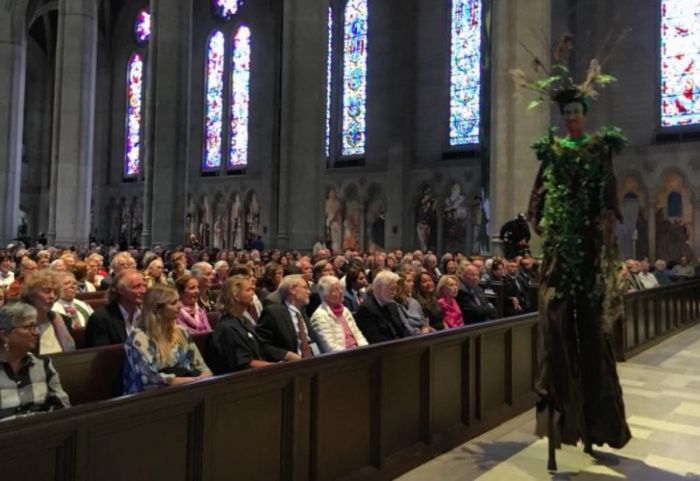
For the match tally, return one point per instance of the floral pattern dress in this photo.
(142, 370)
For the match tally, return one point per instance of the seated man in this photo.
(112, 323)
(471, 299)
(645, 277)
(378, 317)
(27, 266)
(285, 326)
(120, 261)
(683, 270)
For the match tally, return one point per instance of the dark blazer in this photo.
(105, 326)
(380, 323)
(276, 328)
(234, 344)
(474, 305)
(350, 301)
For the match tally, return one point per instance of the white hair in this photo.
(325, 284)
(384, 278)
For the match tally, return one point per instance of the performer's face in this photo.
(574, 117)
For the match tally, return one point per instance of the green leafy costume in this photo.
(574, 207)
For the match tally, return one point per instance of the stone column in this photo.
(694, 228)
(73, 123)
(651, 228)
(513, 128)
(167, 122)
(12, 76)
(302, 150)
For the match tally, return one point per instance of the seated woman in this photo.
(355, 288)
(191, 316)
(447, 294)
(41, 290)
(161, 353)
(27, 383)
(333, 322)
(68, 305)
(409, 309)
(235, 345)
(270, 280)
(80, 271)
(424, 293)
(153, 271)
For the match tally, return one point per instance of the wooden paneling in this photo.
(447, 376)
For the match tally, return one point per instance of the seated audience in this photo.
(7, 277)
(94, 263)
(471, 299)
(41, 290)
(191, 316)
(270, 280)
(632, 283)
(647, 279)
(332, 322)
(204, 273)
(80, 271)
(448, 288)
(285, 326)
(235, 344)
(516, 286)
(120, 261)
(113, 322)
(28, 384)
(430, 264)
(221, 269)
(178, 264)
(27, 267)
(161, 353)
(683, 270)
(662, 274)
(409, 310)
(68, 305)
(153, 271)
(424, 293)
(378, 317)
(255, 309)
(354, 293)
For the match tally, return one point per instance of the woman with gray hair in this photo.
(333, 322)
(27, 383)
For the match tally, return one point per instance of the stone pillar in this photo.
(167, 122)
(693, 229)
(651, 228)
(74, 123)
(513, 128)
(302, 150)
(12, 76)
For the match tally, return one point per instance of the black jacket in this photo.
(380, 323)
(105, 326)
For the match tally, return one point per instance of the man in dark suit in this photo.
(112, 323)
(378, 317)
(470, 298)
(285, 326)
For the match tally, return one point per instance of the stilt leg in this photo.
(552, 453)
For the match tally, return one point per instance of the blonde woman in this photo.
(447, 288)
(161, 353)
(153, 272)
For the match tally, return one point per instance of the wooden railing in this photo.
(370, 413)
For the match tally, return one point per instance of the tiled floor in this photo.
(662, 396)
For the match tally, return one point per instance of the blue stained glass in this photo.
(240, 98)
(226, 8)
(329, 81)
(465, 72)
(680, 63)
(214, 101)
(355, 77)
(142, 26)
(134, 107)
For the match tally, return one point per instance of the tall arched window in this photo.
(465, 72)
(329, 80)
(214, 101)
(354, 78)
(240, 98)
(680, 63)
(134, 97)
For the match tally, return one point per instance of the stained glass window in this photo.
(329, 80)
(226, 8)
(354, 77)
(142, 26)
(240, 98)
(214, 101)
(465, 72)
(134, 107)
(680, 62)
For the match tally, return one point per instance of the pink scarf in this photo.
(337, 310)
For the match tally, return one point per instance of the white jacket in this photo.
(329, 329)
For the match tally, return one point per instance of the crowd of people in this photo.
(268, 307)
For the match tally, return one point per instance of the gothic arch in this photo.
(674, 234)
(375, 223)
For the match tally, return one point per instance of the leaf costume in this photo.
(574, 207)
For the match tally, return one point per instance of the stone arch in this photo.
(375, 223)
(674, 233)
(633, 201)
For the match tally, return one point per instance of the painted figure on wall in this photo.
(352, 224)
(376, 224)
(253, 218)
(674, 219)
(455, 219)
(426, 220)
(334, 220)
(236, 224)
(220, 226)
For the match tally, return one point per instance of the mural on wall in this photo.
(633, 231)
(334, 219)
(352, 223)
(426, 220)
(204, 219)
(252, 220)
(454, 220)
(191, 216)
(477, 226)
(375, 220)
(674, 219)
(236, 223)
(136, 221)
(219, 239)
